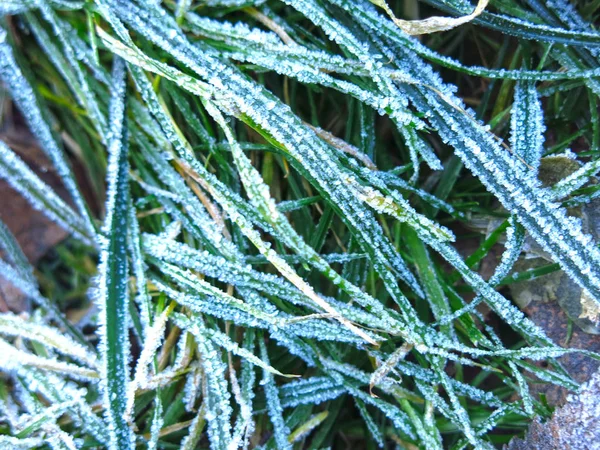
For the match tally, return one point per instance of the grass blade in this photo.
(114, 271)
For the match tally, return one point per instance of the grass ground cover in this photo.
(271, 209)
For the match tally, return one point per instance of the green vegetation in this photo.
(270, 246)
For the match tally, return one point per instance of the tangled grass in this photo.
(275, 253)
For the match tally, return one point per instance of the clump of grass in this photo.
(278, 261)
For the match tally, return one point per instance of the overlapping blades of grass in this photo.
(504, 176)
(235, 94)
(210, 224)
(24, 95)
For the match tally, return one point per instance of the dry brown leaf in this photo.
(432, 24)
(575, 426)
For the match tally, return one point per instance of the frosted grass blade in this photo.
(25, 98)
(42, 197)
(12, 251)
(280, 430)
(11, 325)
(527, 126)
(114, 271)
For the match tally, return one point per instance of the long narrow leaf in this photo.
(114, 271)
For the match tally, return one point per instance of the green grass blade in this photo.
(114, 271)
